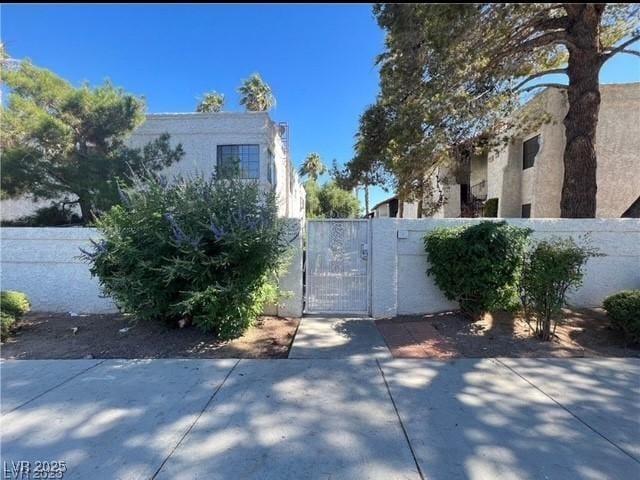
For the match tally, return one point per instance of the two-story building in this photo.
(210, 140)
(525, 176)
(213, 140)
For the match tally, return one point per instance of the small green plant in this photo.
(624, 310)
(202, 250)
(15, 303)
(478, 265)
(552, 268)
(7, 321)
(12, 306)
(491, 208)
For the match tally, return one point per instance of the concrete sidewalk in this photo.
(317, 418)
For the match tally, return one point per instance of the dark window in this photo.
(393, 207)
(526, 210)
(464, 193)
(530, 149)
(291, 178)
(271, 168)
(244, 157)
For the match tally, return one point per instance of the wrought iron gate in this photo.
(337, 267)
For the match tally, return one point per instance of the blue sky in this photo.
(318, 59)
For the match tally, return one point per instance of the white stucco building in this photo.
(210, 139)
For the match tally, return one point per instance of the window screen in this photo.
(244, 157)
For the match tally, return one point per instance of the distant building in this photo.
(525, 177)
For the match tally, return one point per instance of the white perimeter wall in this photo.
(400, 284)
(44, 263)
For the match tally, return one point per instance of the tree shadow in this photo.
(477, 419)
(279, 418)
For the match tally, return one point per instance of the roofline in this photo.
(384, 201)
(203, 114)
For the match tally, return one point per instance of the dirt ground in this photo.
(51, 335)
(583, 333)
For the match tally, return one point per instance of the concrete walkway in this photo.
(329, 337)
(311, 418)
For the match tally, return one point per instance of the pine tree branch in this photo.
(542, 85)
(544, 40)
(540, 74)
(630, 52)
(620, 48)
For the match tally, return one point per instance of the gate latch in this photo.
(364, 251)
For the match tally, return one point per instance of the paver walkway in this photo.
(343, 418)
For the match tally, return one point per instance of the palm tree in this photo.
(211, 102)
(256, 95)
(313, 166)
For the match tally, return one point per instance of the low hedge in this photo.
(478, 265)
(624, 310)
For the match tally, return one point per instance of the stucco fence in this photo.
(44, 263)
(400, 286)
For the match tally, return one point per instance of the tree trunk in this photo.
(579, 187)
(86, 210)
(400, 208)
(366, 198)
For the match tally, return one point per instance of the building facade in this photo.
(209, 140)
(526, 176)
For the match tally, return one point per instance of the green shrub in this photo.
(12, 306)
(624, 310)
(478, 265)
(552, 268)
(491, 208)
(14, 303)
(203, 250)
(7, 321)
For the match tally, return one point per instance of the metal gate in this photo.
(337, 267)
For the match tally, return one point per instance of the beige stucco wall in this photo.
(617, 146)
(478, 169)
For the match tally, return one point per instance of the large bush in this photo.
(12, 306)
(478, 265)
(624, 310)
(201, 250)
(552, 268)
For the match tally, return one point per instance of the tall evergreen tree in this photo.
(58, 140)
(451, 73)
